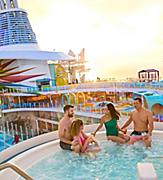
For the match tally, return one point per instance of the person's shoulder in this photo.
(148, 112)
(132, 112)
(62, 121)
(103, 118)
(72, 120)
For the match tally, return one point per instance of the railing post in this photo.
(16, 129)
(37, 127)
(21, 133)
(12, 129)
(26, 132)
(20, 171)
(7, 125)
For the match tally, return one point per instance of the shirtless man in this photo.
(143, 124)
(64, 127)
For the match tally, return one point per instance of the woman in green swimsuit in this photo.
(109, 119)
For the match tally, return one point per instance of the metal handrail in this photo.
(16, 169)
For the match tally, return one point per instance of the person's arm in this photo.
(150, 123)
(62, 132)
(76, 141)
(84, 147)
(84, 135)
(99, 127)
(127, 123)
(118, 127)
(122, 130)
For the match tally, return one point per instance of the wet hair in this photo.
(138, 99)
(75, 127)
(114, 113)
(67, 107)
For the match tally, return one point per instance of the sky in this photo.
(120, 37)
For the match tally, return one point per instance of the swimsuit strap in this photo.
(82, 139)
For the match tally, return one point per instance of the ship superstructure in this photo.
(18, 42)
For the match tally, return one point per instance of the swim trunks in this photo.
(65, 146)
(139, 133)
(137, 136)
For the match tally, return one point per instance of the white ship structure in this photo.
(18, 43)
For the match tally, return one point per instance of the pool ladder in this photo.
(17, 169)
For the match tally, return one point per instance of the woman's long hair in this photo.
(114, 113)
(75, 127)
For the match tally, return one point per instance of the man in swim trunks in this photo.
(143, 124)
(65, 126)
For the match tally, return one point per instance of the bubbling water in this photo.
(112, 162)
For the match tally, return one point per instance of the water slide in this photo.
(155, 104)
(61, 75)
(58, 75)
(153, 99)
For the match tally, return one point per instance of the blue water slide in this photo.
(153, 99)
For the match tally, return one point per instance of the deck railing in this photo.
(100, 85)
(17, 169)
(156, 86)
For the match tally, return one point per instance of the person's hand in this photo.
(146, 137)
(75, 141)
(124, 131)
(93, 133)
(90, 139)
